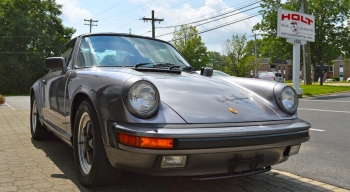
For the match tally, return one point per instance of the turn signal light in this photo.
(145, 142)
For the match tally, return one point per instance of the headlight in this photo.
(286, 98)
(141, 99)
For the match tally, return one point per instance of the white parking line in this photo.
(325, 101)
(10, 106)
(312, 129)
(325, 110)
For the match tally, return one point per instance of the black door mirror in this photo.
(55, 63)
(207, 71)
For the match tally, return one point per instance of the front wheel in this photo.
(90, 156)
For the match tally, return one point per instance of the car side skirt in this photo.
(58, 132)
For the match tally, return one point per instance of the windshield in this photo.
(120, 51)
(220, 73)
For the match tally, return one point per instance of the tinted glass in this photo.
(67, 51)
(107, 51)
(220, 73)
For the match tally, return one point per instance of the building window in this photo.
(341, 64)
(330, 68)
(341, 74)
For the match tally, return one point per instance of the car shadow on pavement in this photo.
(62, 157)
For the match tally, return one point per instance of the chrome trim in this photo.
(215, 131)
(58, 132)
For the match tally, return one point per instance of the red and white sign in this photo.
(294, 25)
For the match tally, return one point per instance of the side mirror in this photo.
(207, 71)
(55, 63)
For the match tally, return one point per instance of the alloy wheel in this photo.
(85, 143)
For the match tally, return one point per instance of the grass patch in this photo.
(313, 90)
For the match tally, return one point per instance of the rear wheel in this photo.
(37, 130)
(90, 156)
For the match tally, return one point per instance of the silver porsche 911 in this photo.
(133, 103)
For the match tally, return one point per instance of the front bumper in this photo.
(225, 149)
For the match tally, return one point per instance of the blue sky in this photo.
(124, 15)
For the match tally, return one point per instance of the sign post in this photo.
(297, 28)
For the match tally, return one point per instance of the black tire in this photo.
(91, 162)
(38, 131)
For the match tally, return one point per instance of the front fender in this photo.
(36, 91)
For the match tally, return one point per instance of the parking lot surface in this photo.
(29, 165)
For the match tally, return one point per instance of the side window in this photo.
(67, 52)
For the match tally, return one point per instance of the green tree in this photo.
(190, 45)
(30, 31)
(331, 32)
(239, 59)
(216, 60)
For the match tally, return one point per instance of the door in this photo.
(55, 92)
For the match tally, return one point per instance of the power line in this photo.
(211, 13)
(128, 10)
(121, 12)
(141, 26)
(195, 6)
(151, 15)
(212, 20)
(224, 25)
(145, 33)
(219, 15)
(230, 23)
(120, 2)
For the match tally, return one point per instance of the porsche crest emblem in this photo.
(233, 110)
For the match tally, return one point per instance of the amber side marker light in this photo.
(145, 142)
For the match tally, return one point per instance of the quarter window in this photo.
(67, 53)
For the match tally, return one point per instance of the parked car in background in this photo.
(270, 76)
(217, 73)
(127, 102)
(330, 80)
(348, 79)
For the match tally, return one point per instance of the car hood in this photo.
(199, 99)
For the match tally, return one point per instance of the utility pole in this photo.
(306, 51)
(153, 20)
(256, 57)
(90, 23)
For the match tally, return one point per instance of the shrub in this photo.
(2, 99)
(335, 78)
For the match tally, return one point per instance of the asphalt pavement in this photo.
(326, 156)
(321, 165)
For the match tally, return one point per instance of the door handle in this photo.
(45, 81)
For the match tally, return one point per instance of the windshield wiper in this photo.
(158, 65)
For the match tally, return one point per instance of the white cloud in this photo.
(72, 12)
